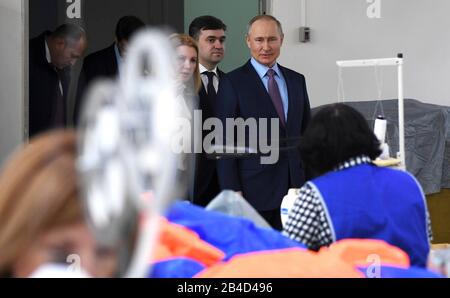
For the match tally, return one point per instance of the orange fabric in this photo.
(286, 263)
(178, 241)
(363, 252)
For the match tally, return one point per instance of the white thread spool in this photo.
(380, 128)
(380, 132)
(287, 204)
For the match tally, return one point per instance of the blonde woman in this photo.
(188, 74)
(189, 80)
(187, 51)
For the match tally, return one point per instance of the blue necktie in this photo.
(275, 95)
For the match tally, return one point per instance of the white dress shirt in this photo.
(49, 60)
(204, 77)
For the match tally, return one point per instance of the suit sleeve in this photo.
(81, 88)
(306, 108)
(87, 76)
(227, 169)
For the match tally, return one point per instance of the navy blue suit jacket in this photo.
(44, 87)
(101, 64)
(206, 186)
(242, 94)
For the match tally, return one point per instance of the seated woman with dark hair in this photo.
(350, 196)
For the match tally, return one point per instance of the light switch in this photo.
(304, 34)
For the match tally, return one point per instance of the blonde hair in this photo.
(38, 192)
(186, 40)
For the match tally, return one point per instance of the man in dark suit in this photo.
(106, 62)
(263, 89)
(51, 56)
(209, 32)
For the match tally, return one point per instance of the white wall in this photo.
(12, 74)
(342, 30)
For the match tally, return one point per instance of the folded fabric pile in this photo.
(198, 243)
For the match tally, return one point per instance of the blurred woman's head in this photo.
(41, 217)
(187, 51)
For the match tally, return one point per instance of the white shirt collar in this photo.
(262, 69)
(47, 53)
(119, 58)
(202, 69)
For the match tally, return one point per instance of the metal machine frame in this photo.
(401, 120)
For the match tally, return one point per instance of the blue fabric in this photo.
(175, 268)
(232, 235)
(366, 201)
(394, 272)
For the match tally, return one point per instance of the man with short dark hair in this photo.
(106, 62)
(51, 56)
(209, 32)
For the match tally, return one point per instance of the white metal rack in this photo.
(401, 120)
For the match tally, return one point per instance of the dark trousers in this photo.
(207, 191)
(273, 218)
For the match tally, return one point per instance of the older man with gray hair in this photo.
(51, 56)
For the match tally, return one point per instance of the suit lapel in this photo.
(202, 92)
(208, 108)
(42, 56)
(292, 90)
(204, 104)
(220, 74)
(261, 89)
(113, 68)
